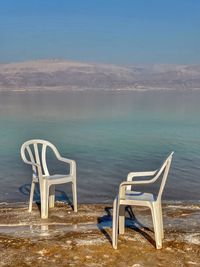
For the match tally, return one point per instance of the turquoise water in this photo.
(108, 133)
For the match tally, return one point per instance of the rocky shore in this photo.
(84, 238)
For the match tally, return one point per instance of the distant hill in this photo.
(66, 75)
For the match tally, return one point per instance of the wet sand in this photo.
(84, 238)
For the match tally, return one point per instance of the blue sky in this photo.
(110, 31)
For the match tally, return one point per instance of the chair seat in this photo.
(59, 178)
(140, 196)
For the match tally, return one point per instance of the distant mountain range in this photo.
(60, 75)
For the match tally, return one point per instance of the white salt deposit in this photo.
(192, 238)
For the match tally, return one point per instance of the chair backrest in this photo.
(34, 152)
(163, 171)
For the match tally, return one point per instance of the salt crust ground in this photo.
(84, 239)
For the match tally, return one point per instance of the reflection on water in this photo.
(43, 230)
(108, 134)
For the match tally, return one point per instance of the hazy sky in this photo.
(111, 31)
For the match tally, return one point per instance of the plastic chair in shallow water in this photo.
(47, 182)
(127, 197)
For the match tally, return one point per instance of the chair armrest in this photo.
(127, 184)
(71, 162)
(136, 182)
(131, 175)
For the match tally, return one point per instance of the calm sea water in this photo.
(108, 133)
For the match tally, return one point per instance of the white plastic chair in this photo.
(47, 182)
(127, 197)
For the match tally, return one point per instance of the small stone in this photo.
(88, 257)
(192, 263)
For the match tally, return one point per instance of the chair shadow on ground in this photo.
(131, 222)
(105, 222)
(60, 195)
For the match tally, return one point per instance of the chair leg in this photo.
(156, 224)
(74, 192)
(31, 196)
(44, 201)
(161, 221)
(122, 220)
(115, 223)
(52, 196)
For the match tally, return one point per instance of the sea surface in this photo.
(108, 134)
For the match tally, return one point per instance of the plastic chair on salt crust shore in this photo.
(127, 197)
(40, 173)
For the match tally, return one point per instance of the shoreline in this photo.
(16, 204)
(84, 238)
(67, 90)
